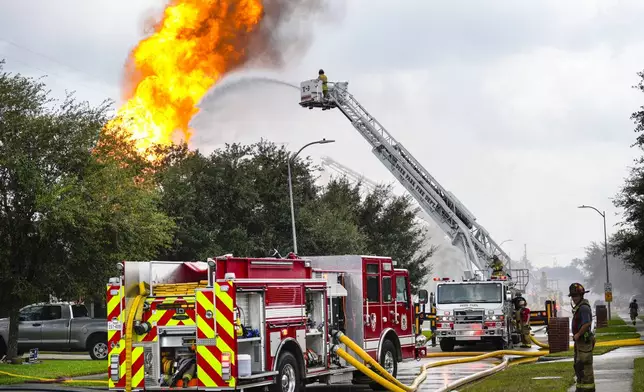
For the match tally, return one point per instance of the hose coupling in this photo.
(336, 336)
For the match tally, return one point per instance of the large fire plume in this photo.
(195, 43)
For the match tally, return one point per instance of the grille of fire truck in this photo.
(177, 289)
(468, 316)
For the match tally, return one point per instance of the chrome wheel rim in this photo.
(389, 362)
(288, 378)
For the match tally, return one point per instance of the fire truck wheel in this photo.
(447, 344)
(388, 361)
(97, 348)
(288, 378)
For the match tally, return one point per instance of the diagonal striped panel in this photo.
(205, 326)
(226, 342)
(209, 367)
(137, 367)
(115, 341)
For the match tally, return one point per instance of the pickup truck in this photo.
(60, 326)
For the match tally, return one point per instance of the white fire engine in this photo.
(237, 323)
(473, 311)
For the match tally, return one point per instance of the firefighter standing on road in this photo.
(522, 320)
(633, 310)
(583, 337)
(325, 87)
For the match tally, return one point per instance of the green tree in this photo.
(68, 210)
(627, 242)
(234, 201)
(593, 265)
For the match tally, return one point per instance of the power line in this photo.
(52, 59)
(94, 79)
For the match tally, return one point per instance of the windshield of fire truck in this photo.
(469, 293)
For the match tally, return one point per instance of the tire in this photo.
(388, 360)
(499, 344)
(288, 377)
(97, 348)
(447, 344)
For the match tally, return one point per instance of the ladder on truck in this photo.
(441, 205)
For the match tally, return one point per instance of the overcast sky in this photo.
(521, 110)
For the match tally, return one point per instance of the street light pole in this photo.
(290, 186)
(603, 214)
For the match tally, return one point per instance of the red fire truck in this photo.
(238, 323)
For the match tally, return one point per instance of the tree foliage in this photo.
(593, 265)
(628, 242)
(68, 210)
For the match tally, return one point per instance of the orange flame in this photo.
(193, 46)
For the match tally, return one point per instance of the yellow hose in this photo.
(396, 386)
(538, 343)
(392, 384)
(135, 309)
(368, 372)
(455, 354)
(368, 360)
(52, 380)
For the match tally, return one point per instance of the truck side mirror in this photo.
(508, 295)
(422, 296)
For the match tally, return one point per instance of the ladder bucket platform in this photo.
(312, 95)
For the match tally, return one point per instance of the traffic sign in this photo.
(608, 287)
(608, 296)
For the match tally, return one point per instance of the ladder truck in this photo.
(465, 320)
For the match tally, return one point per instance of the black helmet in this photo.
(320, 72)
(576, 289)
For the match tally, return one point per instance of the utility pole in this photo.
(608, 285)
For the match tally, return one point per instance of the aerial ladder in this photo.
(368, 183)
(349, 173)
(441, 205)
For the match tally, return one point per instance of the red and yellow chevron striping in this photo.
(157, 316)
(224, 319)
(137, 368)
(216, 346)
(115, 341)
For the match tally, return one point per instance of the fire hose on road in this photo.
(388, 381)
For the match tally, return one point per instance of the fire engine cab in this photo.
(235, 323)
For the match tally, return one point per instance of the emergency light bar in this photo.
(441, 279)
(499, 278)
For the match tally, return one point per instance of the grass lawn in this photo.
(638, 375)
(615, 321)
(50, 369)
(428, 334)
(617, 328)
(507, 380)
(619, 336)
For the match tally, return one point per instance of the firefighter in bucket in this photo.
(497, 266)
